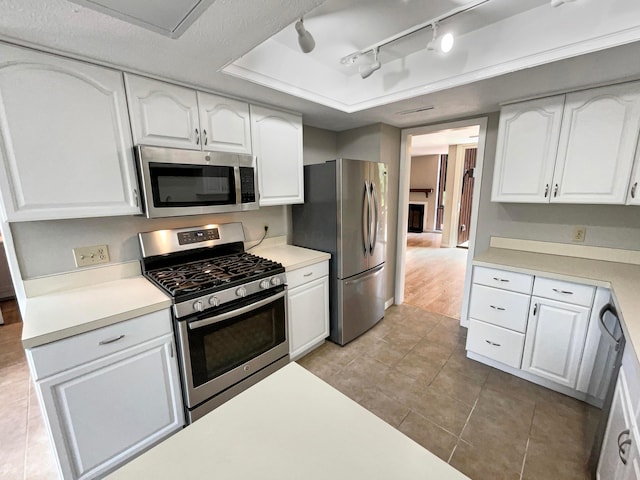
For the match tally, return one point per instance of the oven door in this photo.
(222, 348)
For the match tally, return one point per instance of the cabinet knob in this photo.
(555, 190)
(546, 190)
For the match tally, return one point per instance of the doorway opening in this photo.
(439, 192)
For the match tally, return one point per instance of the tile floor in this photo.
(411, 370)
(25, 451)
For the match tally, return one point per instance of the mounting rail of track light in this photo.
(352, 57)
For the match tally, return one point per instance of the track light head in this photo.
(305, 39)
(443, 43)
(367, 70)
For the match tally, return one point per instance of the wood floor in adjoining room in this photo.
(434, 276)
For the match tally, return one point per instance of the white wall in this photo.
(424, 174)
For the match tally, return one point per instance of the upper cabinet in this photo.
(574, 148)
(526, 151)
(167, 115)
(66, 141)
(277, 144)
(162, 114)
(226, 125)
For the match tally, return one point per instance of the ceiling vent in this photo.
(168, 17)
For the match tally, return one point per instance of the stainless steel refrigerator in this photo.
(345, 214)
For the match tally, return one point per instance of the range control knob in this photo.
(265, 284)
(198, 306)
(241, 292)
(275, 281)
(214, 301)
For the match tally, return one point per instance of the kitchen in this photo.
(43, 245)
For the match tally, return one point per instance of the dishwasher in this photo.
(608, 362)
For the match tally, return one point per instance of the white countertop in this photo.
(291, 425)
(623, 279)
(62, 314)
(290, 256)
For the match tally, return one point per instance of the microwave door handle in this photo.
(238, 311)
(236, 175)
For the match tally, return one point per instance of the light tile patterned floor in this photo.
(411, 370)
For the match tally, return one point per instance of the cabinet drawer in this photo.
(497, 343)
(492, 277)
(564, 291)
(499, 307)
(70, 352)
(303, 275)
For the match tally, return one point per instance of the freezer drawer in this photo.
(360, 305)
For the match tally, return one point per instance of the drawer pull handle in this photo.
(493, 344)
(622, 453)
(308, 274)
(535, 309)
(500, 279)
(111, 340)
(497, 308)
(566, 292)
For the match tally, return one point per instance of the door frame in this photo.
(403, 203)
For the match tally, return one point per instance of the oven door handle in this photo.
(239, 311)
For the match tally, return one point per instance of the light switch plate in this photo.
(87, 256)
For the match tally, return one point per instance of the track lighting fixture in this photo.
(367, 70)
(442, 44)
(305, 40)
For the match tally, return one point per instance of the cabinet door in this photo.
(597, 145)
(526, 151)
(104, 412)
(162, 114)
(633, 198)
(66, 141)
(554, 340)
(226, 124)
(610, 467)
(277, 144)
(308, 313)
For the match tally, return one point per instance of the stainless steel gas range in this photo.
(229, 310)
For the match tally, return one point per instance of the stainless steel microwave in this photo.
(179, 182)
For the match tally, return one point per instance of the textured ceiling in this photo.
(230, 28)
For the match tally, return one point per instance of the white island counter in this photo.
(291, 425)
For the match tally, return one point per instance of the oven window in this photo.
(223, 346)
(191, 185)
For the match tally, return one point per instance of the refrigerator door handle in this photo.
(365, 219)
(374, 272)
(375, 219)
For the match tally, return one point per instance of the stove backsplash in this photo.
(44, 247)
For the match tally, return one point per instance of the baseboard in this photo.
(388, 303)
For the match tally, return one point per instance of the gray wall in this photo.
(614, 226)
(44, 248)
(424, 174)
(318, 145)
(379, 143)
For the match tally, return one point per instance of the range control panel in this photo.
(196, 236)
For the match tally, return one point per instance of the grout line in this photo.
(452, 452)
(526, 450)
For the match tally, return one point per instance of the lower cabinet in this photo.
(555, 340)
(308, 308)
(103, 412)
(620, 456)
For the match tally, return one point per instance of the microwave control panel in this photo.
(185, 238)
(247, 185)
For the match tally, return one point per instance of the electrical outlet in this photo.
(579, 233)
(87, 256)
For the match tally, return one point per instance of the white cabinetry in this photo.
(168, 115)
(109, 394)
(66, 141)
(526, 152)
(633, 198)
(596, 143)
(308, 308)
(277, 144)
(538, 328)
(620, 456)
(555, 339)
